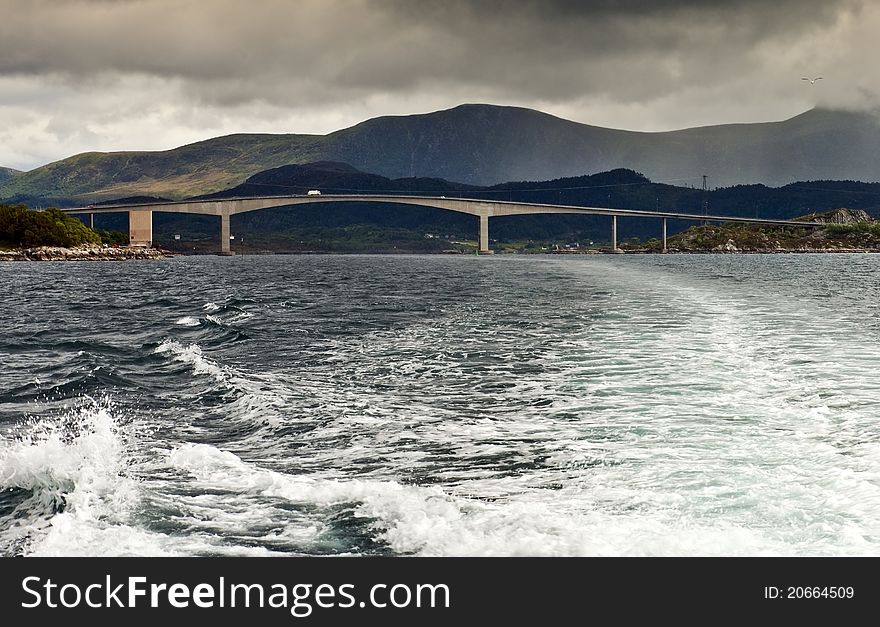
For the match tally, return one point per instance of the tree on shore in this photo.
(23, 227)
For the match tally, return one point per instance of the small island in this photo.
(50, 235)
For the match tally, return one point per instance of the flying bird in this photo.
(812, 80)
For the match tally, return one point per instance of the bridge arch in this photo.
(141, 215)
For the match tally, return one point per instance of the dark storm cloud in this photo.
(79, 75)
(560, 48)
(320, 51)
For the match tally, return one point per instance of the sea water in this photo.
(441, 405)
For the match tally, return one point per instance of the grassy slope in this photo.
(202, 167)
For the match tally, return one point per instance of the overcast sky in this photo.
(81, 75)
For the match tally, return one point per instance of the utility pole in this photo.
(705, 199)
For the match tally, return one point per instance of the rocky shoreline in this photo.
(845, 231)
(81, 253)
(730, 250)
(731, 247)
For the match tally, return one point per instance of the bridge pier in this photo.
(664, 235)
(614, 234)
(140, 228)
(225, 248)
(484, 235)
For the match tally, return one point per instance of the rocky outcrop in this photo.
(843, 230)
(838, 216)
(84, 253)
(729, 247)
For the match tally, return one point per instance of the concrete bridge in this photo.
(140, 216)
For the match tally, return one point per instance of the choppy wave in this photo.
(254, 404)
(192, 355)
(69, 473)
(428, 521)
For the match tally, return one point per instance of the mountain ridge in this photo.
(481, 145)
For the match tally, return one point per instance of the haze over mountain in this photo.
(483, 145)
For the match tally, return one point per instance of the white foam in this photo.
(187, 321)
(240, 316)
(428, 521)
(192, 354)
(49, 464)
(211, 307)
(74, 467)
(73, 535)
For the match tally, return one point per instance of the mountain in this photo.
(7, 174)
(621, 188)
(482, 145)
(333, 177)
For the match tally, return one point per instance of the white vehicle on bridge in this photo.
(313, 192)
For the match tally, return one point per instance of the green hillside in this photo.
(7, 174)
(199, 168)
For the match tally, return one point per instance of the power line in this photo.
(828, 189)
(481, 190)
(477, 190)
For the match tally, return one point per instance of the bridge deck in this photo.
(473, 206)
(141, 214)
